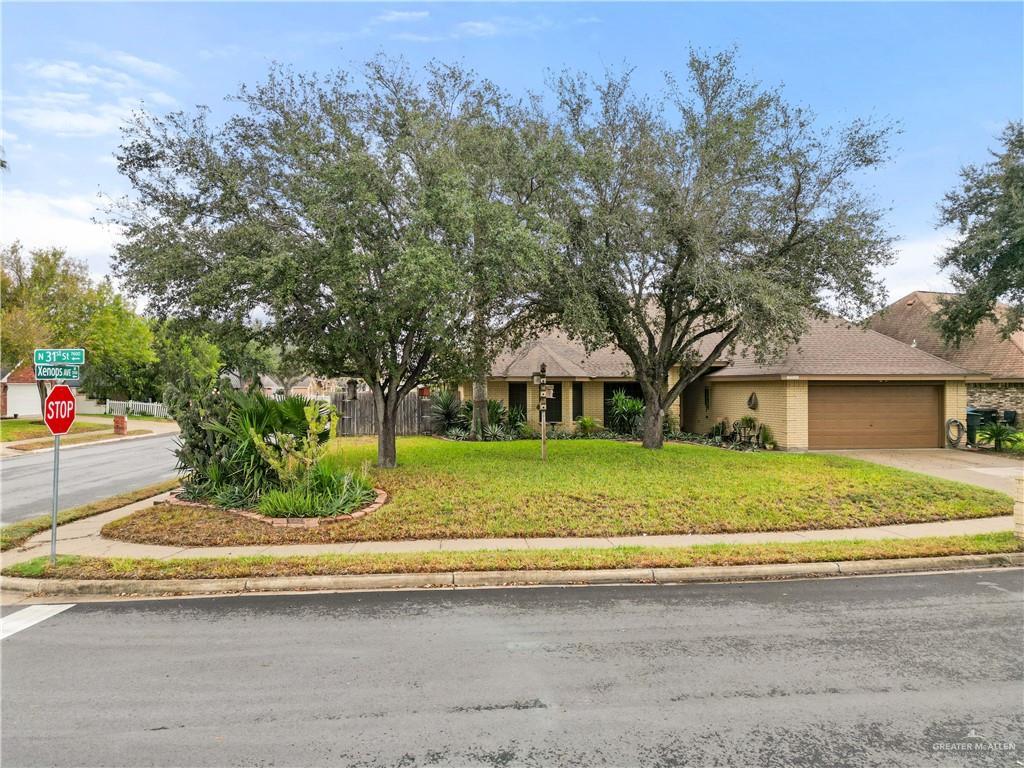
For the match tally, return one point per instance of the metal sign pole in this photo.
(543, 434)
(53, 519)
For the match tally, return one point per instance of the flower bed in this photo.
(282, 522)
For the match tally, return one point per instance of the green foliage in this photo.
(625, 413)
(516, 418)
(726, 215)
(586, 426)
(235, 446)
(119, 354)
(457, 433)
(322, 492)
(767, 436)
(987, 259)
(445, 410)
(1000, 435)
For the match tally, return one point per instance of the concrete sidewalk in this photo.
(83, 538)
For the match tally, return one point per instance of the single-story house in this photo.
(840, 386)
(19, 395)
(912, 321)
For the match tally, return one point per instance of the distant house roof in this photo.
(830, 348)
(911, 320)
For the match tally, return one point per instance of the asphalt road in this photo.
(890, 671)
(87, 473)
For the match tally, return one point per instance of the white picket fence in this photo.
(136, 408)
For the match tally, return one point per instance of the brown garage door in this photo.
(874, 416)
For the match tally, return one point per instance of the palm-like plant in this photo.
(444, 410)
(625, 413)
(1000, 435)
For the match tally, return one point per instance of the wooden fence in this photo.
(358, 416)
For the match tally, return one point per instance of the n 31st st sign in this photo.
(59, 356)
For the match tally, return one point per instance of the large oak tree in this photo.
(717, 218)
(327, 208)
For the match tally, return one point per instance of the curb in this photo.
(157, 587)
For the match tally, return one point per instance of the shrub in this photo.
(625, 413)
(516, 419)
(323, 492)
(495, 432)
(1000, 435)
(586, 426)
(457, 433)
(444, 410)
(235, 446)
(767, 436)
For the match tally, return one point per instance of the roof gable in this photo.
(911, 320)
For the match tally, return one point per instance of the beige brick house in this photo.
(841, 386)
(912, 321)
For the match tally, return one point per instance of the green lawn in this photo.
(23, 429)
(444, 489)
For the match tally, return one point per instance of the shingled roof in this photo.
(832, 347)
(911, 321)
(836, 347)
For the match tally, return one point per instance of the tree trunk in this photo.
(386, 411)
(43, 391)
(387, 454)
(654, 416)
(479, 404)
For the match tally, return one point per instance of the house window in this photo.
(517, 395)
(577, 399)
(555, 404)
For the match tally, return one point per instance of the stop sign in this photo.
(59, 410)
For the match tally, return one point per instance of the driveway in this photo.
(984, 469)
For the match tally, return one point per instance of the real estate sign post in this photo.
(58, 415)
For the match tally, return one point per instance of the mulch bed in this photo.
(289, 522)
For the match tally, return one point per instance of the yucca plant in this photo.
(444, 410)
(1000, 435)
(625, 413)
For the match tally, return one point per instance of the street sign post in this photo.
(59, 356)
(58, 415)
(56, 372)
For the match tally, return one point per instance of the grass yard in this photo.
(445, 489)
(24, 429)
(75, 567)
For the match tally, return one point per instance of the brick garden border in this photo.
(288, 522)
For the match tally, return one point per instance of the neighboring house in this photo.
(912, 321)
(19, 395)
(307, 386)
(840, 387)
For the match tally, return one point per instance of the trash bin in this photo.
(988, 415)
(973, 422)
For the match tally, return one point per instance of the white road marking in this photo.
(27, 617)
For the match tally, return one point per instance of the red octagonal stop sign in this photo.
(59, 411)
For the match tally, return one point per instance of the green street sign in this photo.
(60, 356)
(56, 372)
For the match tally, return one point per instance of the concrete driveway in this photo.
(984, 469)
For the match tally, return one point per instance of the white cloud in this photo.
(41, 221)
(74, 117)
(139, 66)
(915, 268)
(77, 74)
(476, 29)
(400, 17)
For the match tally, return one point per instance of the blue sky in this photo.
(950, 74)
